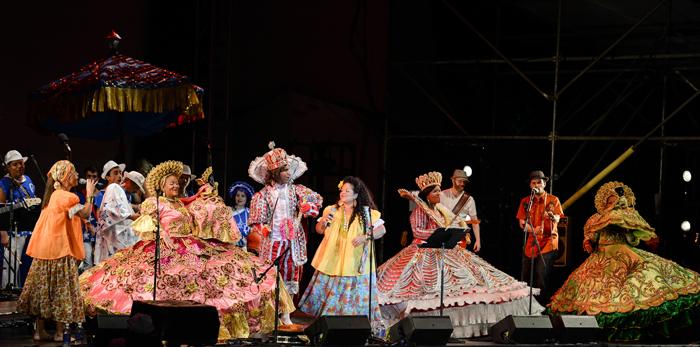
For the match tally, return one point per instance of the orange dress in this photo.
(55, 235)
(52, 290)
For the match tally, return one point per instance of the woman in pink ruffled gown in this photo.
(207, 271)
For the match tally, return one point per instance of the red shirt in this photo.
(538, 218)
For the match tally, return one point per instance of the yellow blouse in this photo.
(336, 256)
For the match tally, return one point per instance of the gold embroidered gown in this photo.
(634, 294)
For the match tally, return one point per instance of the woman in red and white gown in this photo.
(476, 294)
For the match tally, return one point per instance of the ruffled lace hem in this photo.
(511, 293)
(469, 320)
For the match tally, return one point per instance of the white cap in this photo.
(136, 177)
(13, 155)
(111, 165)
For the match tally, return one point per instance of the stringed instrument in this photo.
(547, 229)
(27, 203)
(467, 239)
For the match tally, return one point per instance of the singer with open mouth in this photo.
(341, 283)
(538, 215)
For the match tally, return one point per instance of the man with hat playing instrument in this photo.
(542, 239)
(15, 187)
(463, 205)
(276, 211)
(115, 213)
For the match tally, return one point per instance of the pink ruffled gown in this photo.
(206, 271)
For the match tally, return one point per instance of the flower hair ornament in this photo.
(60, 171)
(340, 184)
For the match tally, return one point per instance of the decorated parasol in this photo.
(114, 97)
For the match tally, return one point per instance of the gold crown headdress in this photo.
(433, 178)
(609, 189)
(164, 169)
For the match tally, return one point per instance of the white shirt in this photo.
(281, 209)
(449, 199)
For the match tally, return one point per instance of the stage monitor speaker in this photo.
(426, 330)
(175, 321)
(339, 330)
(523, 329)
(104, 329)
(562, 258)
(576, 329)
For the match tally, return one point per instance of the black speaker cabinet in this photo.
(339, 330)
(523, 329)
(104, 328)
(562, 258)
(177, 321)
(434, 331)
(575, 329)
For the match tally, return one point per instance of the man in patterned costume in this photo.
(276, 212)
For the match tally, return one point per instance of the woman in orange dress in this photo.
(52, 290)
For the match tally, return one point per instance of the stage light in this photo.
(685, 225)
(687, 176)
(468, 170)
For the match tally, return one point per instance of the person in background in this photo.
(462, 204)
(115, 215)
(23, 192)
(89, 225)
(241, 192)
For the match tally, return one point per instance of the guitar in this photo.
(30, 202)
(467, 241)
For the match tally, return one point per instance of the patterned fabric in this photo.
(26, 190)
(547, 238)
(52, 291)
(113, 230)
(206, 271)
(263, 208)
(619, 278)
(290, 272)
(341, 295)
(241, 219)
(410, 282)
(212, 218)
(337, 244)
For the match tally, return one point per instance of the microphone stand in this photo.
(11, 221)
(537, 244)
(370, 233)
(156, 264)
(275, 263)
(38, 169)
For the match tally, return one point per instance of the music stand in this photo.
(444, 239)
(18, 218)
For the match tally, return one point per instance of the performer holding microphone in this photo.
(341, 283)
(542, 239)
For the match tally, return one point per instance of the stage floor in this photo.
(16, 331)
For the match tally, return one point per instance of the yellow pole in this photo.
(597, 178)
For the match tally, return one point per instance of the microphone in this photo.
(365, 210)
(64, 140)
(82, 181)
